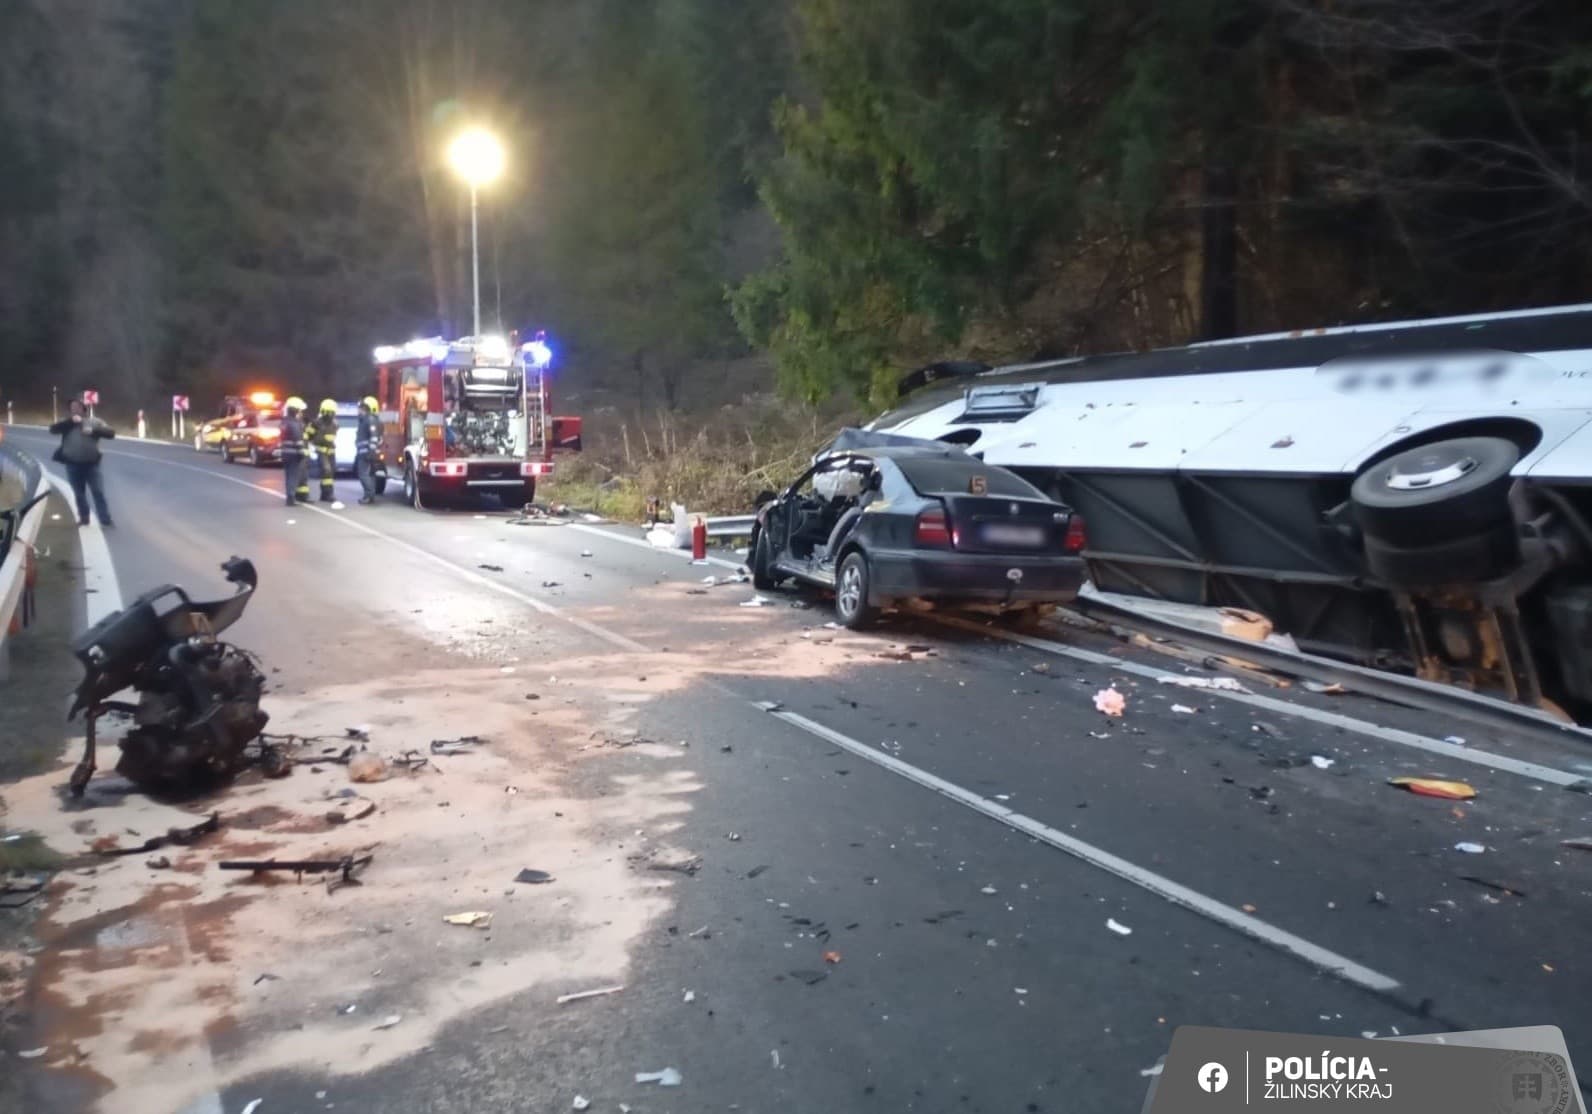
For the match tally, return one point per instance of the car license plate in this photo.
(1002, 534)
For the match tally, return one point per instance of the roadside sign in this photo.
(179, 403)
(90, 398)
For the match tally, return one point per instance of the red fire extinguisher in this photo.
(699, 539)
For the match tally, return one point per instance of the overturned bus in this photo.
(1413, 496)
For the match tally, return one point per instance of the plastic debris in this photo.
(990, 891)
(756, 601)
(1434, 787)
(1457, 740)
(1110, 702)
(389, 1021)
(1580, 843)
(668, 1077)
(831, 957)
(1182, 709)
(1333, 689)
(367, 767)
(533, 877)
(1469, 848)
(1119, 929)
(690, 996)
(773, 1054)
(32, 1053)
(473, 919)
(581, 1102)
(1322, 763)
(602, 992)
(1219, 684)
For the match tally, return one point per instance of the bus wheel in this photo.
(1431, 494)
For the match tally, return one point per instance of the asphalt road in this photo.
(963, 829)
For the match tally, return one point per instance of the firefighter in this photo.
(295, 468)
(323, 443)
(368, 452)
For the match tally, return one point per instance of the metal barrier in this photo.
(730, 526)
(19, 529)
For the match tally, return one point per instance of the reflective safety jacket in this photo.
(368, 439)
(292, 442)
(323, 433)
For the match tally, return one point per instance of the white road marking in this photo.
(102, 595)
(455, 570)
(1162, 887)
(1474, 756)
(643, 543)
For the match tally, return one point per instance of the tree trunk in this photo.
(1219, 255)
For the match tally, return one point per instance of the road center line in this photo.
(1165, 888)
(1471, 755)
(454, 569)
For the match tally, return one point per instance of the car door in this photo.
(240, 433)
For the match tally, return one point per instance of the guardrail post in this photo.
(142, 431)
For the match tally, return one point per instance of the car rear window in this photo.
(939, 476)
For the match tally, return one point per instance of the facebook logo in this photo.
(1212, 1077)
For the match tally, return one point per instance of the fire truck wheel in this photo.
(411, 487)
(381, 485)
(1470, 560)
(1442, 492)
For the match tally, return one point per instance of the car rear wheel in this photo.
(254, 455)
(763, 578)
(851, 593)
(226, 453)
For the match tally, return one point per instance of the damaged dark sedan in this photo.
(884, 524)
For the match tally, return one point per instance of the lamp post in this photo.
(477, 157)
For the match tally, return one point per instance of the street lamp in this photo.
(477, 157)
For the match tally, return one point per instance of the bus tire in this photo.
(1470, 560)
(1443, 492)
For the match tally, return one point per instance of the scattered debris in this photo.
(533, 877)
(773, 1055)
(1469, 848)
(756, 870)
(1580, 843)
(367, 767)
(581, 1102)
(1457, 740)
(756, 601)
(1322, 763)
(255, 1104)
(182, 837)
(989, 891)
(551, 584)
(1220, 684)
(668, 1077)
(345, 869)
(831, 957)
(585, 553)
(473, 919)
(358, 734)
(32, 1053)
(685, 866)
(1119, 929)
(1434, 787)
(465, 744)
(1497, 887)
(350, 808)
(811, 978)
(1182, 709)
(690, 996)
(1040, 667)
(267, 977)
(1333, 689)
(1145, 1073)
(1110, 702)
(159, 862)
(565, 999)
(388, 1022)
(1246, 907)
(701, 933)
(491, 568)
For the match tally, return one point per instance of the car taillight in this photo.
(1077, 538)
(536, 468)
(932, 530)
(450, 469)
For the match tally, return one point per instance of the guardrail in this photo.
(730, 526)
(19, 529)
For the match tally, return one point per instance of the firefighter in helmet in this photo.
(368, 452)
(295, 468)
(323, 443)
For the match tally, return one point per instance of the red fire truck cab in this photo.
(469, 417)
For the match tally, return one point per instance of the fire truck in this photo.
(469, 417)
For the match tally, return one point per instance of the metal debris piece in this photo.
(686, 866)
(388, 1022)
(668, 1077)
(344, 869)
(1119, 929)
(1220, 684)
(462, 745)
(533, 877)
(490, 568)
(1469, 848)
(1183, 709)
(32, 1053)
(811, 978)
(579, 995)
(183, 837)
(473, 919)
(1333, 689)
(1580, 843)
(1498, 887)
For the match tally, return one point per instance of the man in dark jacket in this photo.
(295, 466)
(80, 451)
(368, 448)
